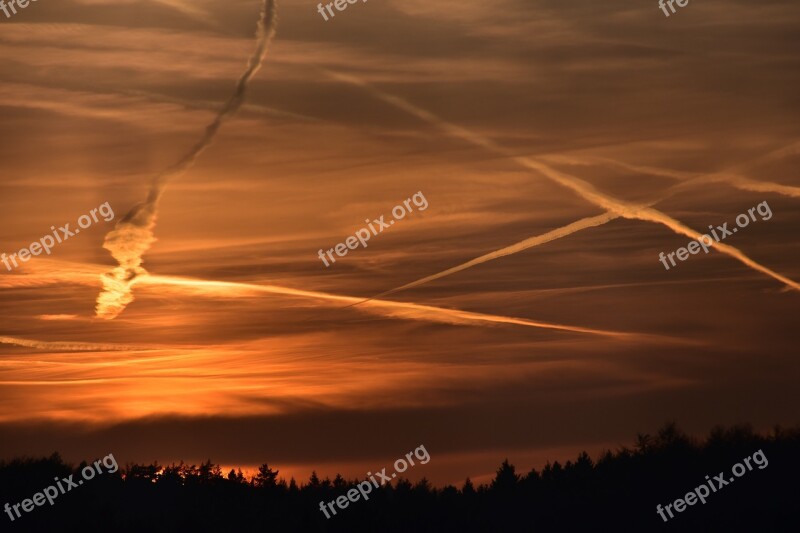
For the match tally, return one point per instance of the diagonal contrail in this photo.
(51, 272)
(389, 308)
(584, 189)
(734, 180)
(133, 234)
(731, 176)
(569, 229)
(740, 182)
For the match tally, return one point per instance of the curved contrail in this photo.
(582, 188)
(133, 234)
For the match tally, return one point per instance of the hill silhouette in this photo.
(616, 491)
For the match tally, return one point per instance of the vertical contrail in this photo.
(582, 188)
(133, 234)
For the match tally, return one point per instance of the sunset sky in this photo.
(514, 118)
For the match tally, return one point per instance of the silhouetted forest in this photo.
(616, 491)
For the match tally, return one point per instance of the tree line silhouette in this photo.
(617, 491)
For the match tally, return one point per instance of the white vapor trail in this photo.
(584, 189)
(569, 229)
(726, 177)
(68, 346)
(388, 308)
(51, 272)
(731, 176)
(133, 234)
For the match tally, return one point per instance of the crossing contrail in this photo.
(731, 176)
(133, 235)
(734, 180)
(582, 188)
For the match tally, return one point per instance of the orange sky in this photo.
(239, 345)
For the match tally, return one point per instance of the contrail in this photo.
(730, 176)
(211, 105)
(725, 176)
(133, 234)
(69, 346)
(88, 275)
(740, 182)
(569, 229)
(404, 310)
(580, 187)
